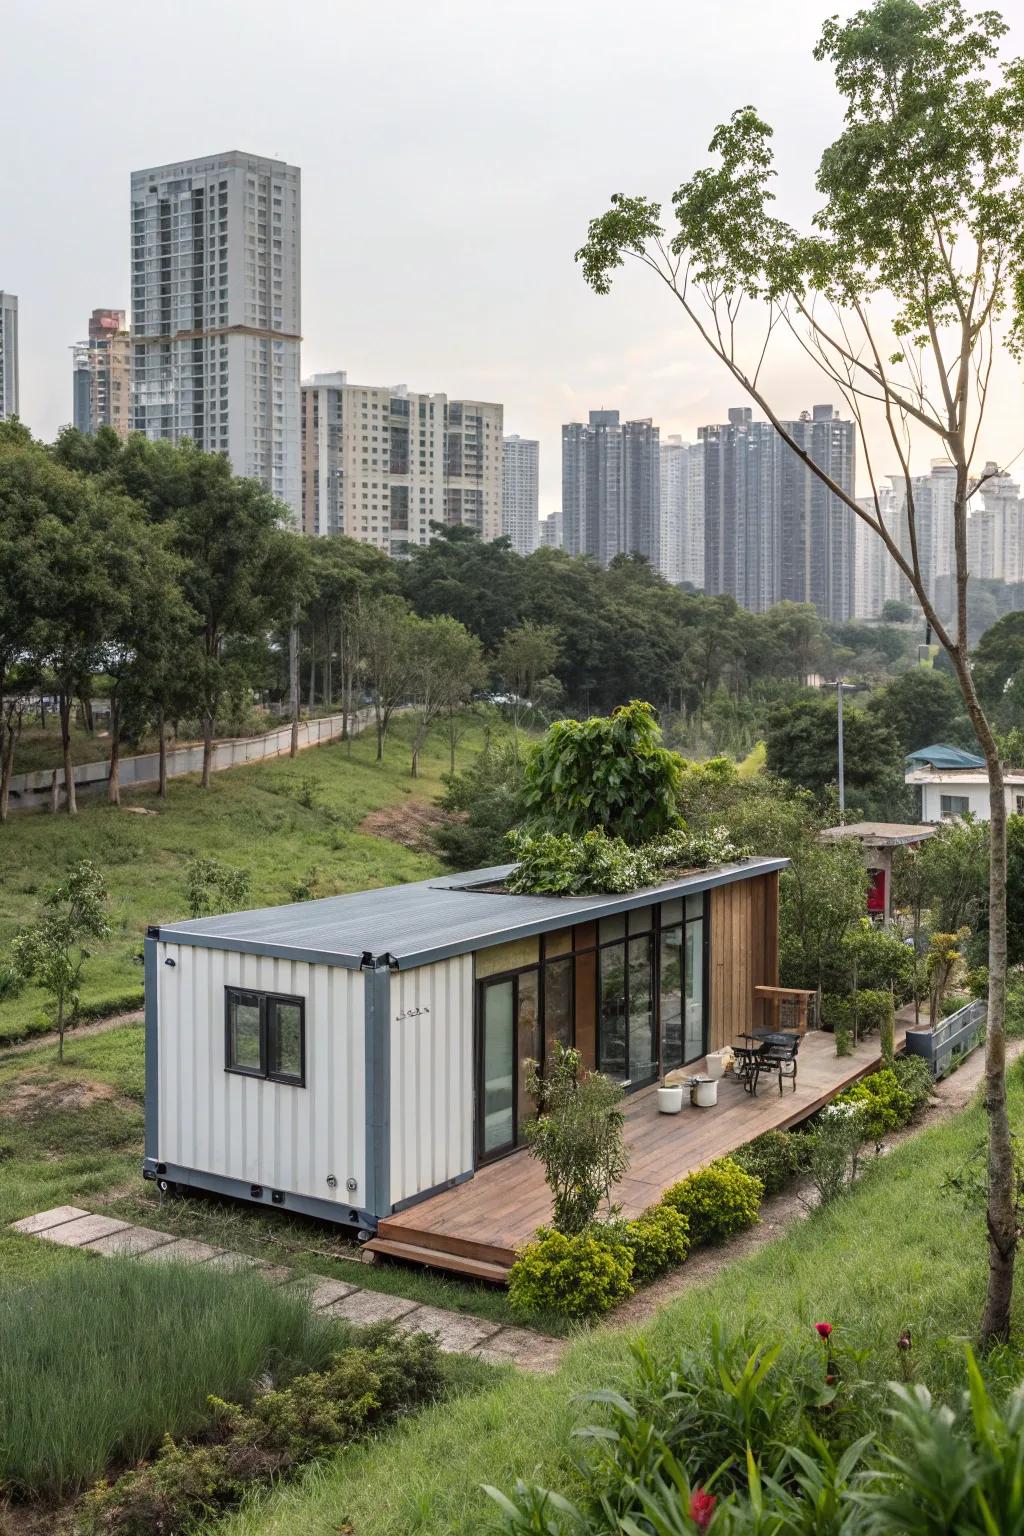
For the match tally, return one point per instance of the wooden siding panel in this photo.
(586, 1008)
(744, 953)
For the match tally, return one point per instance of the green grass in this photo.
(278, 820)
(97, 1364)
(897, 1252)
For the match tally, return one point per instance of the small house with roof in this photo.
(951, 782)
(349, 1057)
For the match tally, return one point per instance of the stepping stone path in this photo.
(456, 1332)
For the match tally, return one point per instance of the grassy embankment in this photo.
(289, 822)
(899, 1251)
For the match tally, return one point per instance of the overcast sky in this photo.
(451, 156)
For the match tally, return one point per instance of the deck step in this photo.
(399, 1230)
(437, 1258)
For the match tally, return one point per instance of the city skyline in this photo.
(493, 150)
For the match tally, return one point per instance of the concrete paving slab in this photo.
(277, 1274)
(75, 1234)
(321, 1290)
(456, 1332)
(235, 1261)
(130, 1242)
(518, 1346)
(46, 1219)
(184, 1250)
(370, 1307)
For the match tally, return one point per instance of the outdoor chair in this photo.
(775, 1057)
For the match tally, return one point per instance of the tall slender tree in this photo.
(903, 292)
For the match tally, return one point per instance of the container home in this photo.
(349, 1057)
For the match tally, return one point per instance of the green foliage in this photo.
(578, 1137)
(579, 1274)
(358, 1390)
(801, 741)
(774, 1157)
(608, 774)
(879, 959)
(874, 1011)
(914, 1076)
(885, 1104)
(659, 1240)
(947, 874)
(53, 951)
(98, 1362)
(822, 896)
(563, 864)
(717, 1201)
(919, 707)
(832, 1145)
(212, 886)
(485, 801)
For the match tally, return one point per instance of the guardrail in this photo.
(951, 1039)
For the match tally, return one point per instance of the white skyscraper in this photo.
(682, 511)
(216, 311)
(876, 577)
(8, 354)
(550, 528)
(520, 493)
(994, 541)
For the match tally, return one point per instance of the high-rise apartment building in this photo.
(101, 375)
(8, 354)
(681, 539)
(550, 529)
(772, 531)
(611, 488)
(876, 576)
(520, 493)
(933, 495)
(376, 462)
(216, 311)
(995, 545)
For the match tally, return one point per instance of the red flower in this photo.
(830, 1381)
(903, 1342)
(823, 1329)
(702, 1507)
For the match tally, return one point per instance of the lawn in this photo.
(289, 823)
(899, 1251)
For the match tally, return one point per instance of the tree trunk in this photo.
(451, 741)
(380, 737)
(7, 761)
(312, 671)
(207, 748)
(162, 754)
(1002, 1222)
(414, 771)
(293, 685)
(42, 710)
(60, 1029)
(70, 801)
(54, 794)
(114, 780)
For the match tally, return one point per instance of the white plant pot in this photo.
(670, 1099)
(705, 1095)
(713, 1065)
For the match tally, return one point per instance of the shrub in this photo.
(914, 1076)
(562, 864)
(886, 1105)
(717, 1201)
(578, 1276)
(832, 1148)
(774, 1157)
(360, 1388)
(212, 886)
(578, 1136)
(836, 1012)
(873, 1009)
(659, 1240)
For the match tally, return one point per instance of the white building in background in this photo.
(995, 548)
(101, 375)
(681, 540)
(8, 354)
(876, 576)
(216, 312)
(550, 529)
(381, 463)
(520, 492)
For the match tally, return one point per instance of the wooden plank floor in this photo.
(498, 1210)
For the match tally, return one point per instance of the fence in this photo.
(951, 1039)
(32, 790)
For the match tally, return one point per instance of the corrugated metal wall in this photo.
(273, 1134)
(432, 1094)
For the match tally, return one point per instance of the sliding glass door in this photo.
(509, 1042)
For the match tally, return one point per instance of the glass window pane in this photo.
(557, 1004)
(694, 1035)
(610, 928)
(641, 1012)
(528, 1047)
(611, 1045)
(671, 998)
(641, 920)
(284, 1039)
(695, 906)
(497, 1066)
(244, 1031)
(671, 911)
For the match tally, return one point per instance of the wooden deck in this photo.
(477, 1226)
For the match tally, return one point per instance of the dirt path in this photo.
(98, 1027)
(952, 1094)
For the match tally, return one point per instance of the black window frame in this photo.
(266, 1001)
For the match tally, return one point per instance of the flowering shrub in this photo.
(832, 1148)
(885, 1104)
(717, 1201)
(579, 1276)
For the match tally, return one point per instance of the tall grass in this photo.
(99, 1361)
